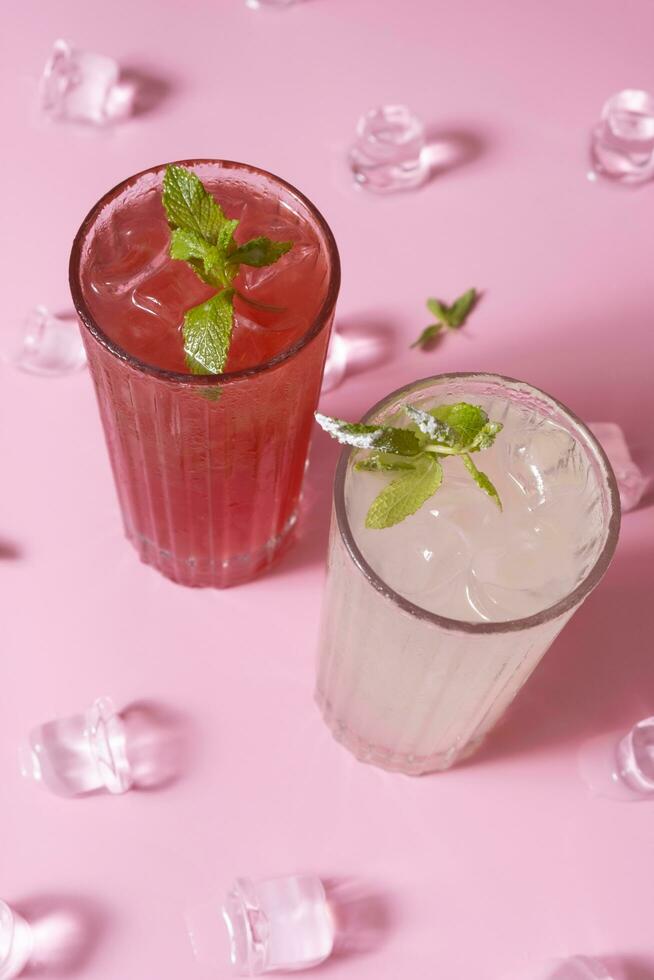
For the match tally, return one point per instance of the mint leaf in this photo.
(260, 251)
(405, 495)
(203, 236)
(189, 206)
(361, 436)
(428, 335)
(187, 245)
(386, 462)
(453, 316)
(485, 437)
(437, 430)
(465, 420)
(481, 480)
(458, 312)
(208, 333)
(440, 310)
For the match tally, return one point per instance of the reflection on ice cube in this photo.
(422, 555)
(127, 254)
(387, 154)
(258, 4)
(618, 766)
(524, 571)
(16, 943)
(45, 344)
(79, 754)
(81, 86)
(632, 483)
(270, 924)
(544, 458)
(622, 144)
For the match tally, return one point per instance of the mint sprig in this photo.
(447, 317)
(203, 237)
(417, 453)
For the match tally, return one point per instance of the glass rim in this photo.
(563, 605)
(319, 322)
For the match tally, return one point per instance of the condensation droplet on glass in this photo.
(622, 142)
(388, 154)
(336, 363)
(16, 943)
(82, 86)
(45, 344)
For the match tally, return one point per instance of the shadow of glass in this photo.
(66, 931)
(630, 967)
(597, 675)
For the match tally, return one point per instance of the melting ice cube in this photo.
(632, 483)
(81, 86)
(45, 344)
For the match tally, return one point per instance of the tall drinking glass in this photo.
(208, 468)
(413, 675)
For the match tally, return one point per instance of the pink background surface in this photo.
(475, 873)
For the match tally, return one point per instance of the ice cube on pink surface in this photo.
(282, 923)
(16, 943)
(82, 86)
(632, 483)
(80, 754)
(387, 155)
(45, 344)
(622, 143)
(619, 766)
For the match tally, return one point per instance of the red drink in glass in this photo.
(208, 468)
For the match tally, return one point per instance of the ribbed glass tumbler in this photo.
(209, 469)
(412, 691)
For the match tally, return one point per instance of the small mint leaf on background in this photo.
(208, 333)
(405, 495)
(428, 335)
(440, 310)
(461, 307)
(481, 480)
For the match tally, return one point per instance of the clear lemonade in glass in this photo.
(432, 624)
